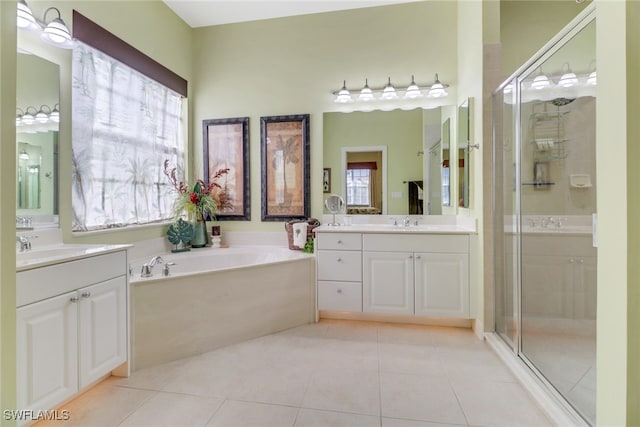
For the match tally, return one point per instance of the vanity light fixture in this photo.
(592, 80)
(344, 95)
(413, 91)
(42, 116)
(569, 78)
(55, 114)
(55, 32)
(366, 94)
(540, 81)
(26, 20)
(437, 89)
(28, 118)
(19, 114)
(390, 92)
(23, 155)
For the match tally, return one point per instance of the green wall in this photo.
(291, 66)
(7, 210)
(400, 131)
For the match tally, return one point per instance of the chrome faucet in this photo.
(407, 221)
(147, 269)
(25, 243)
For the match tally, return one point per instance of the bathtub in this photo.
(217, 297)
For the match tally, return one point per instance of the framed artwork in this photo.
(226, 145)
(326, 180)
(285, 167)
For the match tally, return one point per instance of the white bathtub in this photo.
(206, 260)
(217, 297)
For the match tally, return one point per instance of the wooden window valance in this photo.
(362, 165)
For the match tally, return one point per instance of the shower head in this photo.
(559, 102)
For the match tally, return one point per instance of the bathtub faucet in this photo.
(147, 269)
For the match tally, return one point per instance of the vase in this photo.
(199, 239)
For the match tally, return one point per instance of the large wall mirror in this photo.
(37, 121)
(388, 162)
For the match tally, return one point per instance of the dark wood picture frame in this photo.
(285, 159)
(226, 145)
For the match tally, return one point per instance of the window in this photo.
(358, 188)
(125, 125)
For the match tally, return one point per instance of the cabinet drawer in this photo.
(340, 241)
(45, 282)
(441, 243)
(340, 265)
(340, 296)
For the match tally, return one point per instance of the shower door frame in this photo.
(586, 17)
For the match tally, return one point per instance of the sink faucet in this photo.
(147, 269)
(407, 221)
(25, 243)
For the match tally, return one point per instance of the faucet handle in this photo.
(166, 269)
(395, 220)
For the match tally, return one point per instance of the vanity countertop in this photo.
(58, 253)
(395, 229)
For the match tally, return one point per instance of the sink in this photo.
(49, 252)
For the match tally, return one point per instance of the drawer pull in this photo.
(418, 256)
(339, 242)
(339, 260)
(86, 294)
(410, 256)
(74, 299)
(339, 291)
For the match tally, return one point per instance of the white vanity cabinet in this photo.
(339, 263)
(399, 273)
(71, 327)
(424, 275)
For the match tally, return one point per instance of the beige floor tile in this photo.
(341, 354)
(313, 330)
(410, 359)
(173, 410)
(246, 414)
(480, 364)
(419, 397)
(397, 422)
(492, 403)
(315, 418)
(344, 391)
(283, 386)
(405, 334)
(352, 332)
(152, 378)
(102, 406)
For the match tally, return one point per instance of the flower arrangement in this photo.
(196, 200)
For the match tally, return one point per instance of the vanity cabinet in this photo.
(394, 273)
(69, 340)
(425, 275)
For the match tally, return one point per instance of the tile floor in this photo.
(334, 373)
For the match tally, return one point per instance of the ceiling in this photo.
(202, 13)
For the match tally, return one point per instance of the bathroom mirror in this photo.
(354, 144)
(464, 145)
(37, 90)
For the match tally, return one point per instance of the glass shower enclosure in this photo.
(544, 210)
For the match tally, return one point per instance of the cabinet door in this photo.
(442, 285)
(47, 352)
(103, 334)
(585, 288)
(387, 284)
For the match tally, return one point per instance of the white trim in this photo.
(383, 149)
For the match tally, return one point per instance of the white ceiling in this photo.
(202, 13)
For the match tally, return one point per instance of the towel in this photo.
(300, 234)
